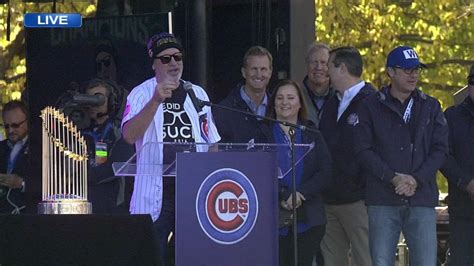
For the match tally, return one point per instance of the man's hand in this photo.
(164, 90)
(11, 181)
(299, 200)
(404, 184)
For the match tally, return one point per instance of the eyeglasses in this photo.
(409, 71)
(106, 62)
(165, 59)
(14, 125)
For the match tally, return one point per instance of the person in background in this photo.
(14, 159)
(251, 97)
(459, 170)
(401, 141)
(347, 227)
(313, 174)
(106, 192)
(316, 84)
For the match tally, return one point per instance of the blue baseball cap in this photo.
(404, 57)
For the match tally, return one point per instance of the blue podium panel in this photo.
(226, 209)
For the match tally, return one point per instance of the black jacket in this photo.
(459, 168)
(384, 146)
(21, 168)
(236, 127)
(348, 182)
(316, 176)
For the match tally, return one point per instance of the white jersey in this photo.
(148, 190)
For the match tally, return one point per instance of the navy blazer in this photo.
(348, 182)
(316, 176)
(383, 145)
(17, 196)
(237, 127)
(459, 168)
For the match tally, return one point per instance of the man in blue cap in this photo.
(402, 140)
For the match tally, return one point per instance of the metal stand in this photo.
(63, 207)
(292, 133)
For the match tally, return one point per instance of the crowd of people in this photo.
(370, 177)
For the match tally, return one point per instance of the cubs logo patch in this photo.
(353, 119)
(227, 206)
(128, 108)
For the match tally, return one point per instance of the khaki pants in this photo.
(347, 228)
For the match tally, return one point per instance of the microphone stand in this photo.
(292, 133)
(291, 125)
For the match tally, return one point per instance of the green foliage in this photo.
(12, 45)
(442, 32)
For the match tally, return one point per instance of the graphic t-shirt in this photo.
(176, 128)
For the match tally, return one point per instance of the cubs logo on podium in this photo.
(227, 206)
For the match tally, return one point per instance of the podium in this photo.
(226, 198)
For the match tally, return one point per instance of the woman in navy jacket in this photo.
(312, 174)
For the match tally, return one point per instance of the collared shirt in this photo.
(148, 189)
(317, 100)
(347, 97)
(258, 109)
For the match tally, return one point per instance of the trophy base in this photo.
(64, 207)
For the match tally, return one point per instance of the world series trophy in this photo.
(64, 175)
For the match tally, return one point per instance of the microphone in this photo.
(92, 100)
(198, 103)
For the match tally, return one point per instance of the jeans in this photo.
(418, 225)
(461, 240)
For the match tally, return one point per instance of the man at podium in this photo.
(161, 109)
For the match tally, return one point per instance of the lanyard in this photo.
(407, 114)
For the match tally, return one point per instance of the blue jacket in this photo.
(316, 176)
(236, 127)
(459, 168)
(383, 145)
(348, 182)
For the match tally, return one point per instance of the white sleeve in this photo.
(213, 135)
(136, 101)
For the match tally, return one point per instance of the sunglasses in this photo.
(105, 62)
(14, 125)
(409, 71)
(165, 59)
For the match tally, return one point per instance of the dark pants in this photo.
(461, 241)
(166, 222)
(308, 243)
